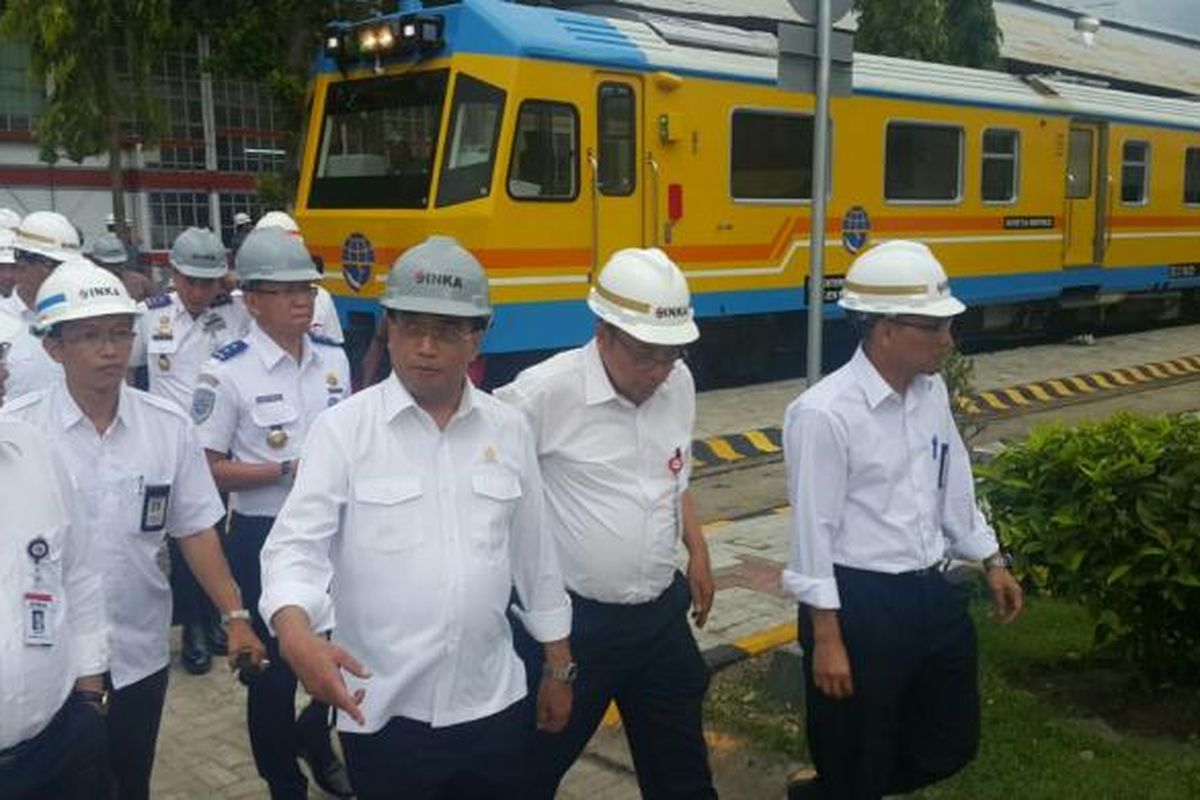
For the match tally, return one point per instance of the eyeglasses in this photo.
(309, 289)
(645, 355)
(95, 339)
(447, 330)
(927, 325)
(26, 258)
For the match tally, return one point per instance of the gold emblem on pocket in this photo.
(277, 438)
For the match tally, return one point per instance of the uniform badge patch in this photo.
(203, 401)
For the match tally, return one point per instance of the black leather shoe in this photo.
(328, 772)
(196, 659)
(218, 642)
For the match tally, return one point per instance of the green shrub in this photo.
(1108, 515)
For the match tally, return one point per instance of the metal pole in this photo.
(820, 172)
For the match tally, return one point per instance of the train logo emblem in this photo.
(856, 229)
(358, 259)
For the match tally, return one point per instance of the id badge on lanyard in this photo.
(675, 465)
(39, 603)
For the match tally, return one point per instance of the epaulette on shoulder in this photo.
(232, 349)
(158, 301)
(325, 340)
(221, 300)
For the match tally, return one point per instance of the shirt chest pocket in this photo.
(275, 421)
(387, 512)
(162, 345)
(494, 497)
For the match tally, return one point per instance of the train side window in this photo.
(470, 154)
(544, 164)
(923, 162)
(1135, 172)
(771, 156)
(1001, 166)
(618, 140)
(1191, 176)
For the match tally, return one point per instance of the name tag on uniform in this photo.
(39, 619)
(154, 507)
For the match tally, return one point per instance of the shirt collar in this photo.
(70, 414)
(271, 353)
(597, 387)
(873, 385)
(397, 399)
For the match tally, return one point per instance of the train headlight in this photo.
(385, 39)
(367, 41)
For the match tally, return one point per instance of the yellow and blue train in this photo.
(545, 139)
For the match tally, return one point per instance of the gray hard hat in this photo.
(273, 254)
(199, 253)
(108, 249)
(438, 276)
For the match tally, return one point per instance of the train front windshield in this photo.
(378, 141)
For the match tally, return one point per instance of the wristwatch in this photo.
(237, 613)
(565, 674)
(286, 467)
(999, 560)
(93, 698)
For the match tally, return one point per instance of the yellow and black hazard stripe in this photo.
(735, 447)
(1074, 388)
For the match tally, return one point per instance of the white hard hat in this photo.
(9, 219)
(278, 219)
(110, 218)
(10, 326)
(79, 289)
(437, 276)
(50, 234)
(7, 240)
(241, 218)
(899, 277)
(643, 293)
(272, 254)
(109, 249)
(199, 253)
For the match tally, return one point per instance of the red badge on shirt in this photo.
(675, 462)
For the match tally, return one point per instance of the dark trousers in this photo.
(914, 715)
(275, 735)
(409, 760)
(645, 658)
(65, 760)
(134, 715)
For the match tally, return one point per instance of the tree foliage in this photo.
(962, 32)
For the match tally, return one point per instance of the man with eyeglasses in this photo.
(882, 495)
(44, 239)
(613, 421)
(420, 505)
(253, 405)
(177, 333)
(139, 475)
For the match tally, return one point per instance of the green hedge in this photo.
(1108, 515)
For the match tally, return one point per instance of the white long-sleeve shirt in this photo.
(413, 537)
(877, 481)
(615, 472)
(36, 502)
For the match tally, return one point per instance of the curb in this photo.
(992, 403)
(726, 655)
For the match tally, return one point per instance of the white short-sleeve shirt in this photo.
(256, 403)
(143, 478)
(30, 367)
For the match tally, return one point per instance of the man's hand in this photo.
(318, 663)
(553, 704)
(244, 645)
(1007, 597)
(831, 662)
(700, 580)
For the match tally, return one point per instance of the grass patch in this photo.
(1057, 723)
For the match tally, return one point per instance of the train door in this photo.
(617, 206)
(1082, 222)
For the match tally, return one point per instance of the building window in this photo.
(1191, 176)
(545, 163)
(249, 136)
(1000, 166)
(177, 85)
(771, 156)
(618, 140)
(923, 162)
(173, 212)
(1135, 172)
(21, 100)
